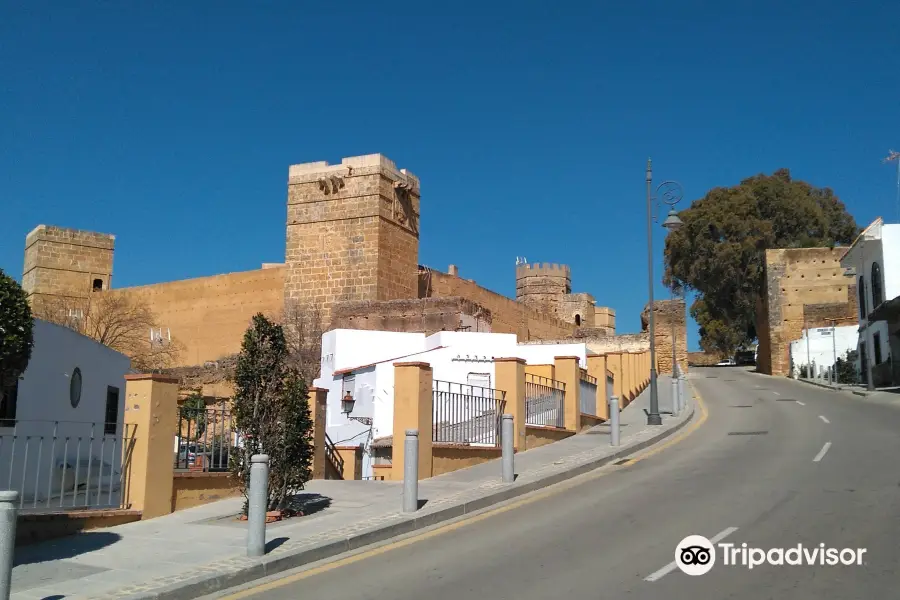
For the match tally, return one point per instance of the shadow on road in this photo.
(66, 547)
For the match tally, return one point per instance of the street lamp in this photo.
(670, 193)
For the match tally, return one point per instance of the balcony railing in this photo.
(467, 414)
(544, 401)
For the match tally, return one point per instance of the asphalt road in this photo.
(750, 466)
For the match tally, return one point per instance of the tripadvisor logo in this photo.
(696, 555)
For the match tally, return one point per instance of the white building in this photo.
(820, 347)
(362, 363)
(61, 425)
(874, 259)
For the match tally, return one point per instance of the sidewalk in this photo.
(202, 550)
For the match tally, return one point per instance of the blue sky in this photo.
(172, 124)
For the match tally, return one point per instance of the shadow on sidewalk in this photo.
(307, 503)
(65, 547)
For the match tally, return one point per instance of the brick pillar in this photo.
(614, 365)
(318, 401)
(597, 368)
(413, 405)
(510, 377)
(151, 416)
(566, 368)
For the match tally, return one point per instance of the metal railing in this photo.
(587, 394)
(466, 414)
(544, 401)
(333, 456)
(205, 439)
(65, 465)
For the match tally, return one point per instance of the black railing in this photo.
(334, 457)
(206, 438)
(467, 414)
(544, 401)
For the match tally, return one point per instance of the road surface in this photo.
(777, 463)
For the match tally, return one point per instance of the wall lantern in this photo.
(347, 403)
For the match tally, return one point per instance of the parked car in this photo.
(745, 357)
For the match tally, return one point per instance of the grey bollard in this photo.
(257, 505)
(411, 471)
(682, 397)
(675, 406)
(507, 435)
(9, 501)
(614, 421)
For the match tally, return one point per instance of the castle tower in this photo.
(542, 285)
(352, 232)
(64, 264)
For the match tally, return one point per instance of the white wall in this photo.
(890, 253)
(45, 413)
(454, 357)
(822, 347)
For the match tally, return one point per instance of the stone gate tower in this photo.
(64, 264)
(352, 232)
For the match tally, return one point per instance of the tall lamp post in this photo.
(671, 194)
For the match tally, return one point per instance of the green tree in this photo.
(719, 253)
(271, 412)
(16, 332)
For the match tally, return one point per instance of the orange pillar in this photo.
(413, 403)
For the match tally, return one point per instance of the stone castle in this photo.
(351, 252)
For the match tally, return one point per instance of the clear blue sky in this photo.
(172, 124)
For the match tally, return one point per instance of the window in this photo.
(861, 290)
(98, 285)
(112, 410)
(8, 404)
(75, 387)
(578, 320)
(876, 343)
(877, 288)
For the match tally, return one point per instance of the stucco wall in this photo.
(193, 489)
(536, 436)
(44, 407)
(447, 458)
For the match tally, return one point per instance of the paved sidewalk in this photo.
(201, 550)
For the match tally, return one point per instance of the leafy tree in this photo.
(271, 412)
(719, 253)
(16, 332)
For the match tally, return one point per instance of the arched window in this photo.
(861, 290)
(578, 320)
(877, 287)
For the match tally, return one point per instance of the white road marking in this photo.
(822, 452)
(801, 403)
(824, 419)
(672, 565)
(776, 393)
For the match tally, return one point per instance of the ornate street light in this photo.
(670, 193)
(347, 404)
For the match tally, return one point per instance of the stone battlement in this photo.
(351, 166)
(543, 270)
(65, 235)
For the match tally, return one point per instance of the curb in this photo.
(825, 386)
(267, 566)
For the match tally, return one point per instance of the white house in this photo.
(61, 425)
(362, 363)
(821, 347)
(874, 260)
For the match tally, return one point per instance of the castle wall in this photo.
(576, 308)
(804, 287)
(422, 315)
(670, 318)
(507, 316)
(542, 286)
(209, 315)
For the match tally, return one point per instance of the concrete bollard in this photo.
(9, 501)
(258, 505)
(613, 421)
(411, 471)
(682, 396)
(675, 405)
(507, 435)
